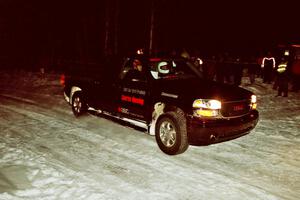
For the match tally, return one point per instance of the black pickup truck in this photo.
(168, 97)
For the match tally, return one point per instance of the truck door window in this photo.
(133, 71)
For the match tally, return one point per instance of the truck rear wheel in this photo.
(78, 104)
(171, 133)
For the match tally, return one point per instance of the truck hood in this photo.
(194, 88)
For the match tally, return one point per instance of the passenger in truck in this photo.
(136, 72)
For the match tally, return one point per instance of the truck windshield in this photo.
(172, 69)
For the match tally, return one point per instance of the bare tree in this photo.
(116, 23)
(151, 28)
(107, 28)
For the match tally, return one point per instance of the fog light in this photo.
(253, 99)
(206, 113)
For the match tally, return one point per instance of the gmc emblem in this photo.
(238, 107)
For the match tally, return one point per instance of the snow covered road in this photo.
(46, 153)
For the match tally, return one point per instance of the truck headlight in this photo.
(253, 101)
(206, 107)
(253, 98)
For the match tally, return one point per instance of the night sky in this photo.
(33, 31)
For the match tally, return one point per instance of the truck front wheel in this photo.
(171, 133)
(78, 104)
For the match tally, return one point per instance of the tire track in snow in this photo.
(41, 118)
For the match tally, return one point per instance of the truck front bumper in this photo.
(210, 131)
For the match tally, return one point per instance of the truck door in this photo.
(106, 94)
(104, 90)
(133, 92)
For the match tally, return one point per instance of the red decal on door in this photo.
(138, 101)
(126, 98)
(132, 100)
(119, 109)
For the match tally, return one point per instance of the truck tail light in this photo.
(62, 80)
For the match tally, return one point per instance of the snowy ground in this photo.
(45, 153)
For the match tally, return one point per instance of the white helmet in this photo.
(163, 67)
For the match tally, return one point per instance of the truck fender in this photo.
(73, 90)
(159, 108)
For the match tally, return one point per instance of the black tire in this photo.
(171, 133)
(79, 106)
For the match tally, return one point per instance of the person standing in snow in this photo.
(237, 70)
(253, 68)
(282, 78)
(267, 65)
(210, 68)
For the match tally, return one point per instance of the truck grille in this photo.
(235, 108)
